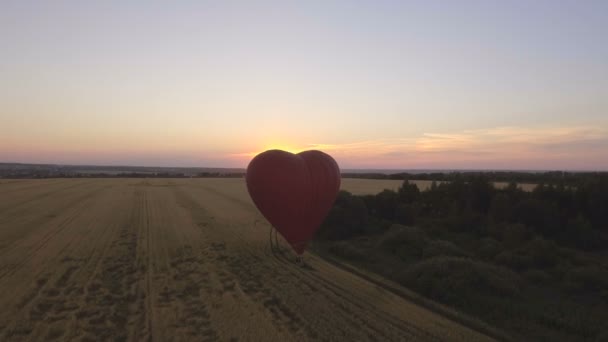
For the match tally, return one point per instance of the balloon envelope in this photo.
(294, 192)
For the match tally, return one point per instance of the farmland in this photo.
(360, 186)
(177, 259)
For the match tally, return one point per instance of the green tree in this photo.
(386, 203)
(408, 192)
(500, 208)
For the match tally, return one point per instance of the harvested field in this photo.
(360, 186)
(524, 186)
(177, 259)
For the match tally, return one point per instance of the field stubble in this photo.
(177, 259)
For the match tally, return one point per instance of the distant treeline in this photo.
(15, 170)
(552, 177)
(122, 175)
(533, 263)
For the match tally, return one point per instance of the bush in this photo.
(465, 220)
(602, 337)
(542, 215)
(538, 253)
(488, 248)
(586, 279)
(404, 242)
(513, 260)
(514, 234)
(443, 248)
(459, 281)
(579, 233)
(376, 227)
(538, 276)
(347, 251)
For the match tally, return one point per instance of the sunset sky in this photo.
(377, 84)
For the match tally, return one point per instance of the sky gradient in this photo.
(377, 84)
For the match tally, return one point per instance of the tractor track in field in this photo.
(179, 259)
(14, 186)
(41, 243)
(20, 205)
(356, 315)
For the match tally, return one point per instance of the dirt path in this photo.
(163, 260)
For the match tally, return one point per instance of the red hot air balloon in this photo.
(294, 192)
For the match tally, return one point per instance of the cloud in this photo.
(541, 147)
(512, 137)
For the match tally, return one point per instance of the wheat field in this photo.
(175, 260)
(359, 186)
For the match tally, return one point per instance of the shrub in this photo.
(537, 253)
(488, 248)
(513, 260)
(459, 281)
(442, 247)
(465, 220)
(404, 242)
(602, 337)
(579, 233)
(347, 251)
(537, 276)
(586, 279)
(514, 234)
(542, 215)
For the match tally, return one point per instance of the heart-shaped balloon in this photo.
(294, 192)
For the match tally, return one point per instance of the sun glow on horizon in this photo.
(283, 147)
(539, 147)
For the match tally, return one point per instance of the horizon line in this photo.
(341, 169)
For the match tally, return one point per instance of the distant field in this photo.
(523, 186)
(359, 186)
(178, 259)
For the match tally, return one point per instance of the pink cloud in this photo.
(557, 147)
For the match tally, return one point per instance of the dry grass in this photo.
(183, 259)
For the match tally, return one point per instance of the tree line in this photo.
(530, 262)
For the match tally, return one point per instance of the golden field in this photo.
(178, 259)
(359, 186)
